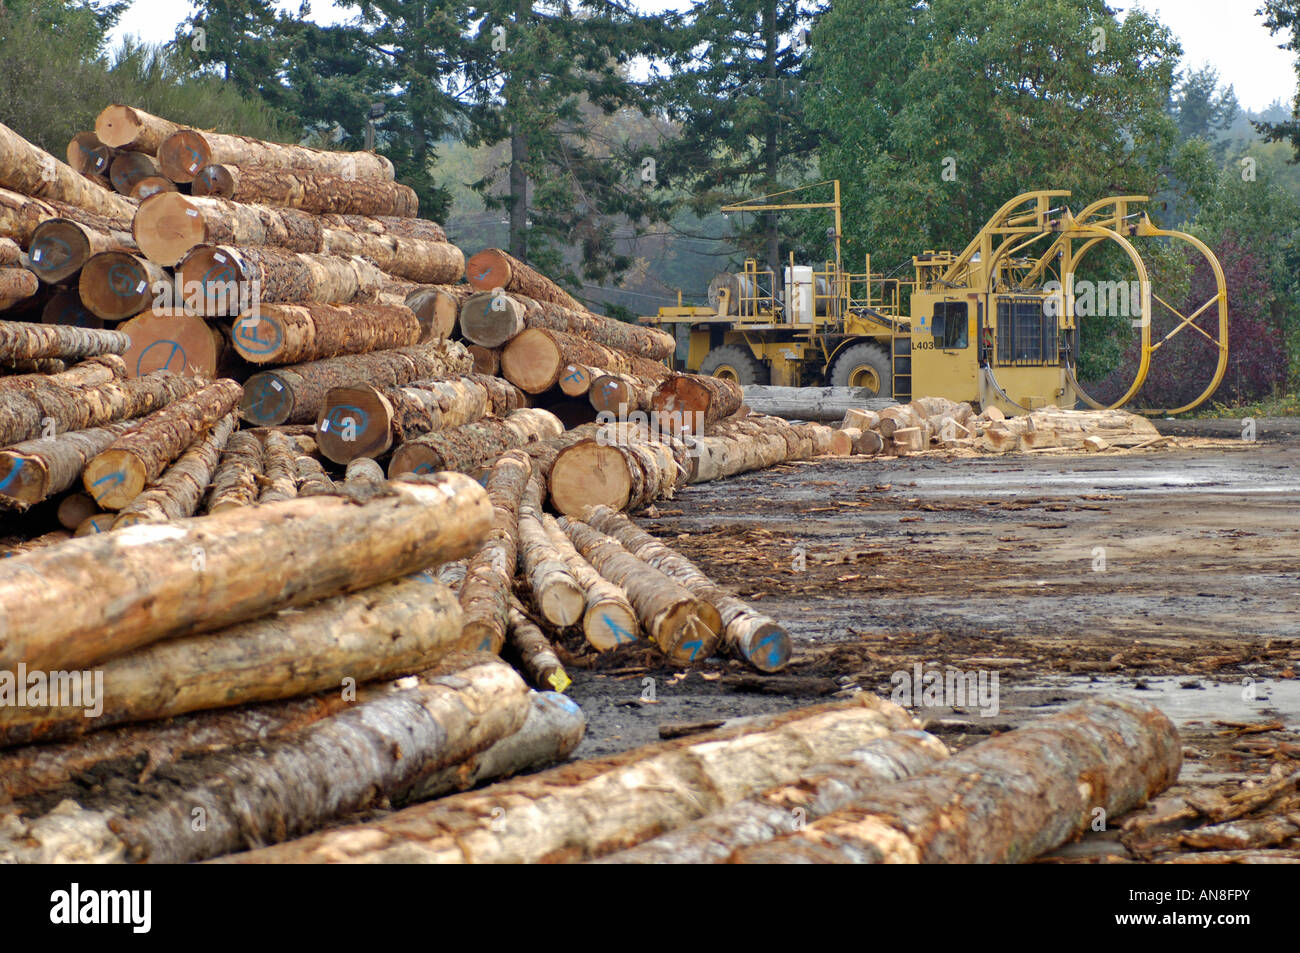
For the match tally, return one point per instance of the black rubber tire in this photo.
(855, 356)
(748, 368)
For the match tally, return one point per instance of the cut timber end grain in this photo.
(691, 403)
(116, 285)
(124, 127)
(355, 422)
(129, 168)
(589, 473)
(575, 379)
(487, 360)
(112, 593)
(491, 318)
(608, 619)
(185, 152)
(117, 475)
(60, 247)
(87, 155)
(94, 525)
(151, 185)
(438, 309)
(172, 341)
(492, 268)
(65, 308)
(37, 469)
(74, 509)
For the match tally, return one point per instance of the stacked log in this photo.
(306, 190)
(493, 318)
(490, 572)
(48, 409)
(212, 278)
(179, 491)
(279, 469)
(558, 596)
(235, 480)
(27, 169)
(535, 652)
(125, 127)
(467, 448)
(35, 470)
(493, 268)
(60, 247)
(534, 359)
(694, 403)
(608, 618)
(184, 152)
(166, 339)
(294, 333)
(621, 394)
(438, 308)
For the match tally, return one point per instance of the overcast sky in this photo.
(1224, 33)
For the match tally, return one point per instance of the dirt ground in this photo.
(1168, 575)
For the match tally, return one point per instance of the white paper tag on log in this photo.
(192, 212)
(141, 286)
(219, 257)
(276, 385)
(325, 426)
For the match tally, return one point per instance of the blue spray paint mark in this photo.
(694, 647)
(621, 634)
(13, 475)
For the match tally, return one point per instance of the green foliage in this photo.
(1281, 16)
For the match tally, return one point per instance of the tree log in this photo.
(116, 285)
(1004, 800)
(88, 373)
(288, 333)
(755, 444)
(306, 190)
(64, 307)
(150, 186)
(594, 807)
(608, 620)
(556, 593)
(491, 318)
(119, 474)
(468, 447)
(224, 280)
(536, 654)
(129, 169)
(428, 262)
(487, 360)
(363, 470)
(179, 491)
(60, 247)
(87, 155)
(761, 818)
(669, 612)
(612, 471)
(16, 284)
(490, 572)
(858, 417)
(284, 788)
(296, 394)
(124, 127)
(819, 404)
(182, 154)
(50, 409)
(492, 268)
(280, 470)
(74, 509)
(102, 596)
(170, 340)
(575, 379)
(32, 171)
(438, 308)
(98, 523)
(747, 634)
(234, 482)
(11, 253)
(534, 359)
(621, 394)
(389, 630)
(35, 470)
(693, 403)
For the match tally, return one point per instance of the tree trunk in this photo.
(490, 573)
(124, 127)
(296, 394)
(594, 807)
(312, 478)
(60, 247)
(11, 253)
(129, 169)
(115, 285)
(556, 593)
(182, 154)
(621, 394)
(1001, 801)
(99, 597)
(41, 373)
(428, 262)
(487, 360)
(170, 340)
(364, 470)
(309, 191)
(670, 614)
(119, 474)
(765, 816)
(179, 491)
(35, 470)
(754, 443)
(534, 359)
(280, 470)
(267, 792)
(289, 333)
(554, 728)
(746, 633)
(492, 268)
(468, 447)
(55, 410)
(389, 630)
(169, 224)
(693, 403)
(438, 308)
(820, 404)
(608, 619)
(64, 307)
(536, 654)
(235, 481)
(32, 171)
(212, 277)
(620, 471)
(490, 319)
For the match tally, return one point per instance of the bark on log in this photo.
(594, 807)
(312, 478)
(535, 652)
(179, 491)
(182, 154)
(234, 483)
(88, 373)
(818, 404)
(35, 470)
(556, 593)
(422, 260)
(363, 470)
(306, 190)
(490, 572)
(1004, 800)
(287, 787)
(170, 340)
(468, 447)
(169, 224)
(554, 728)
(32, 171)
(280, 470)
(386, 631)
(102, 596)
(212, 278)
(825, 788)
(293, 333)
(129, 169)
(534, 359)
(496, 328)
(621, 394)
(755, 443)
(671, 614)
(11, 253)
(119, 474)
(17, 284)
(115, 285)
(693, 403)
(608, 619)
(124, 127)
(747, 634)
(492, 268)
(438, 308)
(60, 247)
(296, 394)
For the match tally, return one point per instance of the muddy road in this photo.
(1169, 575)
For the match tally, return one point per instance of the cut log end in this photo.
(115, 478)
(589, 474)
(608, 624)
(356, 422)
(214, 180)
(562, 604)
(58, 249)
(172, 341)
(182, 154)
(532, 361)
(116, 285)
(166, 226)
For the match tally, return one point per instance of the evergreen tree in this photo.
(1281, 16)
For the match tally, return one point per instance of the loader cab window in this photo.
(950, 324)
